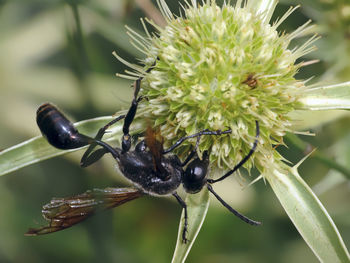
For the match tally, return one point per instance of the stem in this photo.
(318, 155)
(79, 56)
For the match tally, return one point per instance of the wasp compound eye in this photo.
(58, 130)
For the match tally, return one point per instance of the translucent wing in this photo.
(154, 141)
(66, 212)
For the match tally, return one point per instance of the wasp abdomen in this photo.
(58, 130)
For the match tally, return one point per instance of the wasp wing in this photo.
(66, 212)
(154, 141)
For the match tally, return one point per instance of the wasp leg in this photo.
(90, 157)
(233, 211)
(126, 139)
(252, 150)
(192, 154)
(184, 206)
(198, 134)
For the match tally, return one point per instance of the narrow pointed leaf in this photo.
(328, 97)
(309, 216)
(197, 206)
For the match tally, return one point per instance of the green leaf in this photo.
(304, 120)
(308, 215)
(333, 97)
(38, 149)
(197, 207)
(320, 156)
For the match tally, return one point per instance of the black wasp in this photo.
(150, 168)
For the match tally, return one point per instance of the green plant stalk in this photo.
(79, 57)
(197, 208)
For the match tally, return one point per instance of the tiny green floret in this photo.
(217, 68)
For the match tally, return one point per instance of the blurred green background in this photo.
(61, 51)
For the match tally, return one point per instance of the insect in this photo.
(150, 168)
(251, 81)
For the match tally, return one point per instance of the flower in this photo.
(226, 67)
(222, 67)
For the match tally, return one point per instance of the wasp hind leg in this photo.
(91, 156)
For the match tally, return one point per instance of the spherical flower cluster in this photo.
(217, 68)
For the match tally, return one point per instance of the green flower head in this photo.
(217, 68)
